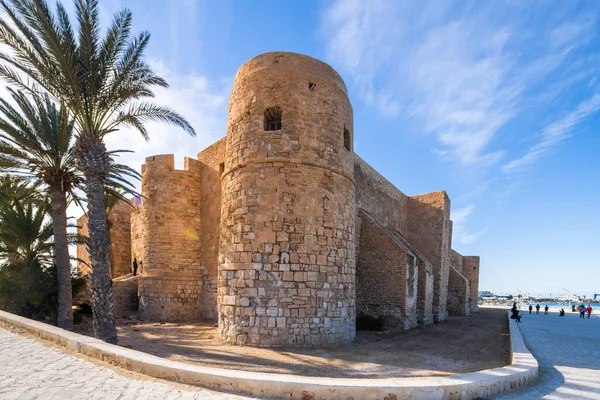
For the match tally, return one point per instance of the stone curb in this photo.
(522, 371)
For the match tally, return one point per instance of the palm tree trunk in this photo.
(99, 249)
(61, 253)
(94, 162)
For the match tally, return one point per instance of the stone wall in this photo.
(456, 260)
(429, 230)
(125, 295)
(425, 292)
(390, 207)
(379, 197)
(170, 288)
(458, 294)
(212, 160)
(137, 237)
(468, 266)
(471, 272)
(84, 265)
(287, 265)
(386, 277)
(120, 237)
(424, 282)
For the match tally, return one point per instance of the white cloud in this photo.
(459, 71)
(460, 233)
(554, 133)
(201, 102)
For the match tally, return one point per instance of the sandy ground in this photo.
(457, 345)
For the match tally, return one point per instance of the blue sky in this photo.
(495, 102)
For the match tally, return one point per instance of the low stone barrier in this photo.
(523, 370)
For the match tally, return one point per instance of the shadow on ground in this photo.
(458, 345)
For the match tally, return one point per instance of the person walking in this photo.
(589, 310)
(515, 314)
(135, 266)
(537, 309)
(581, 311)
(546, 310)
(530, 308)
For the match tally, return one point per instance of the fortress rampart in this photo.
(280, 232)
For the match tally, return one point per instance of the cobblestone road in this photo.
(32, 370)
(568, 352)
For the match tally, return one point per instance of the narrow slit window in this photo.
(273, 119)
(347, 139)
(221, 168)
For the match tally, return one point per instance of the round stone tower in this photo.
(286, 262)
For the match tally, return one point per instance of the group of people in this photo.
(583, 309)
(537, 309)
(515, 314)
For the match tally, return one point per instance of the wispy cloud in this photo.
(467, 73)
(555, 133)
(459, 71)
(204, 104)
(460, 233)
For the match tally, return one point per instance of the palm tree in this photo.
(28, 281)
(36, 142)
(103, 82)
(25, 232)
(13, 189)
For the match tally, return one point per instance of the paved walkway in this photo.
(567, 349)
(568, 352)
(32, 370)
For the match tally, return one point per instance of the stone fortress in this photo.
(280, 232)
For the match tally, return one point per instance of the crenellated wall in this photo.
(170, 288)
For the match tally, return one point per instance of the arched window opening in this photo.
(347, 139)
(273, 119)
